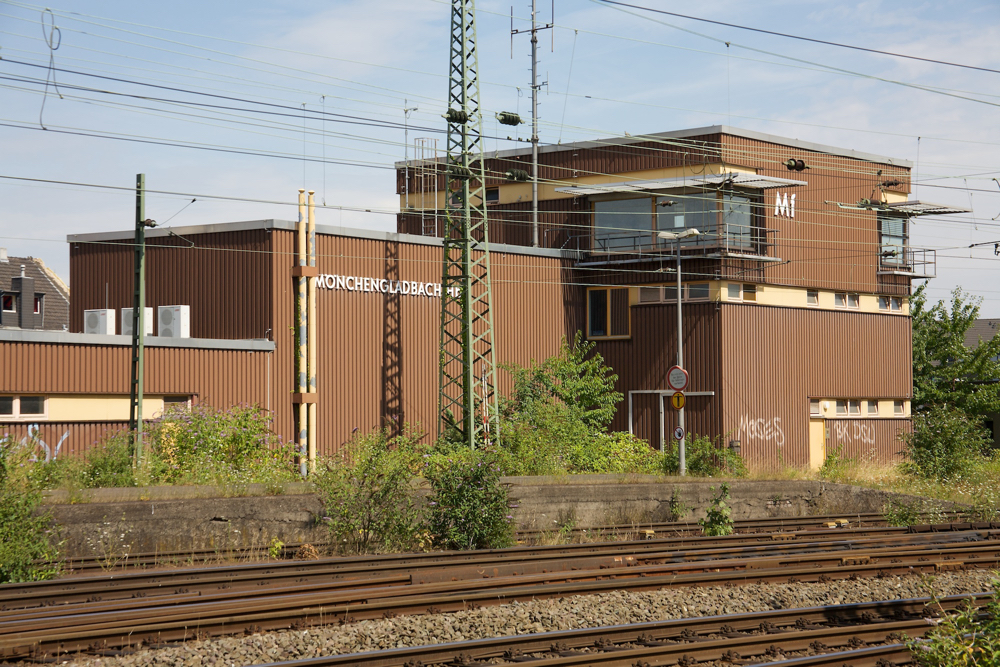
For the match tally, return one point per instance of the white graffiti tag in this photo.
(766, 430)
(848, 432)
(40, 450)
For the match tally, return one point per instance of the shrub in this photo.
(613, 453)
(944, 443)
(962, 638)
(468, 507)
(704, 458)
(27, 551)
(718, 520)
(366, 493)
(836, 465)
(538, 441)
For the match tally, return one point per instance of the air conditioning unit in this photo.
(127, 321)
(174, 321)
(101, 322)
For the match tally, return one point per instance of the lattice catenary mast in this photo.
(467, 400)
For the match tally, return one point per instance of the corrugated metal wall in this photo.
(222, 278)
(378, 352)
(866, 439)
(642, 362)
(79, 436)
(775, 359)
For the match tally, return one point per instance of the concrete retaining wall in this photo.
(162, 520)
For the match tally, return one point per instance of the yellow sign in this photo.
(677, 400)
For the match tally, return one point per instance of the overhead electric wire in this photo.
(800, 37)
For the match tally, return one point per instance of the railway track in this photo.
(855, 634)
(605, 532)
(117, 611)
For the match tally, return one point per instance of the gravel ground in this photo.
(537, 616)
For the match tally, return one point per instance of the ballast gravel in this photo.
(536, 616)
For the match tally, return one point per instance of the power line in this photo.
(804, 39)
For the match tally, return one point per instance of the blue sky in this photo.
(612, 71)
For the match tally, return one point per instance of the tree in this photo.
(945, 371)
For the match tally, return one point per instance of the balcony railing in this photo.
(906, 261)
(730, 241)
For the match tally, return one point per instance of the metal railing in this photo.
(730, 240)
(906, 261)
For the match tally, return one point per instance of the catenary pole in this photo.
(534, 127)
(138, 319)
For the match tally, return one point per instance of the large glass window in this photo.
(688, 211)
(737, 220)
(892, 239)
(608, 313)
(620, 224)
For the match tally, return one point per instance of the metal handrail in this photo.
(909, 261)
(733, 239)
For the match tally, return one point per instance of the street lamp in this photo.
(677, 236)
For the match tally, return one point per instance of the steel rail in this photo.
(702, 638)
(168, 623)
(444, 567)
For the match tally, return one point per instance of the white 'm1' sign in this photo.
(783, 206)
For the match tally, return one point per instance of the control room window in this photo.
(608, 313)
(623, 224)
(8, 303)
(893, 238)
(812, 298)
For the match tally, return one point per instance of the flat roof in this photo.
(65, 338)
(331, 230)
(694, 132)
(751, 181)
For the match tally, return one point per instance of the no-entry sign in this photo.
(677, 378)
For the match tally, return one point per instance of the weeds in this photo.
(28, 547)
(969, 636)
(111, 543)
(675, 508)
(704, 458)
(718, 520)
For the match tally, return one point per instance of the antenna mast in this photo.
(467, 402)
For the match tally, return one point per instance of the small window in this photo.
(896, 303)
(608, 313)
(650, 294)
(8, 303)
(733, 292)
(176, 403)
(814, 410)
(7, 406)
(873, 407)
(883, 303)
(812, 298)
(749, 292)
(854, 407)
(840, 300)
(492, 195)
(898, 408)
(38, 305)
(670, 294)
(32, 405)
(697, 292)
(841, 407)
(853, 301)
(598, 316)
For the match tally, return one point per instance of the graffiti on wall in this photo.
(38, 448)
(849, 433)
(761, 430)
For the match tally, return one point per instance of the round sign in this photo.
(677, 400)
(678, 433)
(677, 378)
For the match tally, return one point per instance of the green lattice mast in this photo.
(467, 400)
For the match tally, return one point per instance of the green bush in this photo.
(27, 548)
(704, 458)
(366, 493)
(613, 453)
(538, 441)
(468, 507)
(944, 443)
(962, 638)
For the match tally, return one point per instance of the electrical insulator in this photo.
(795, 165)
(458, 171)
(517, 175)
(457, 116)
(509, 118)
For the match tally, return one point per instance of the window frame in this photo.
(18, 416)
(729, 292)
(38, 305)
(898, 408)
(750, 289)
(491, 196)
(815, 403)
(873, 403)
(812, 294)
(8, 298)
(607, 314)
(853, 407)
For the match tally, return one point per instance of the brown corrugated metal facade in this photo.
(754, 367)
